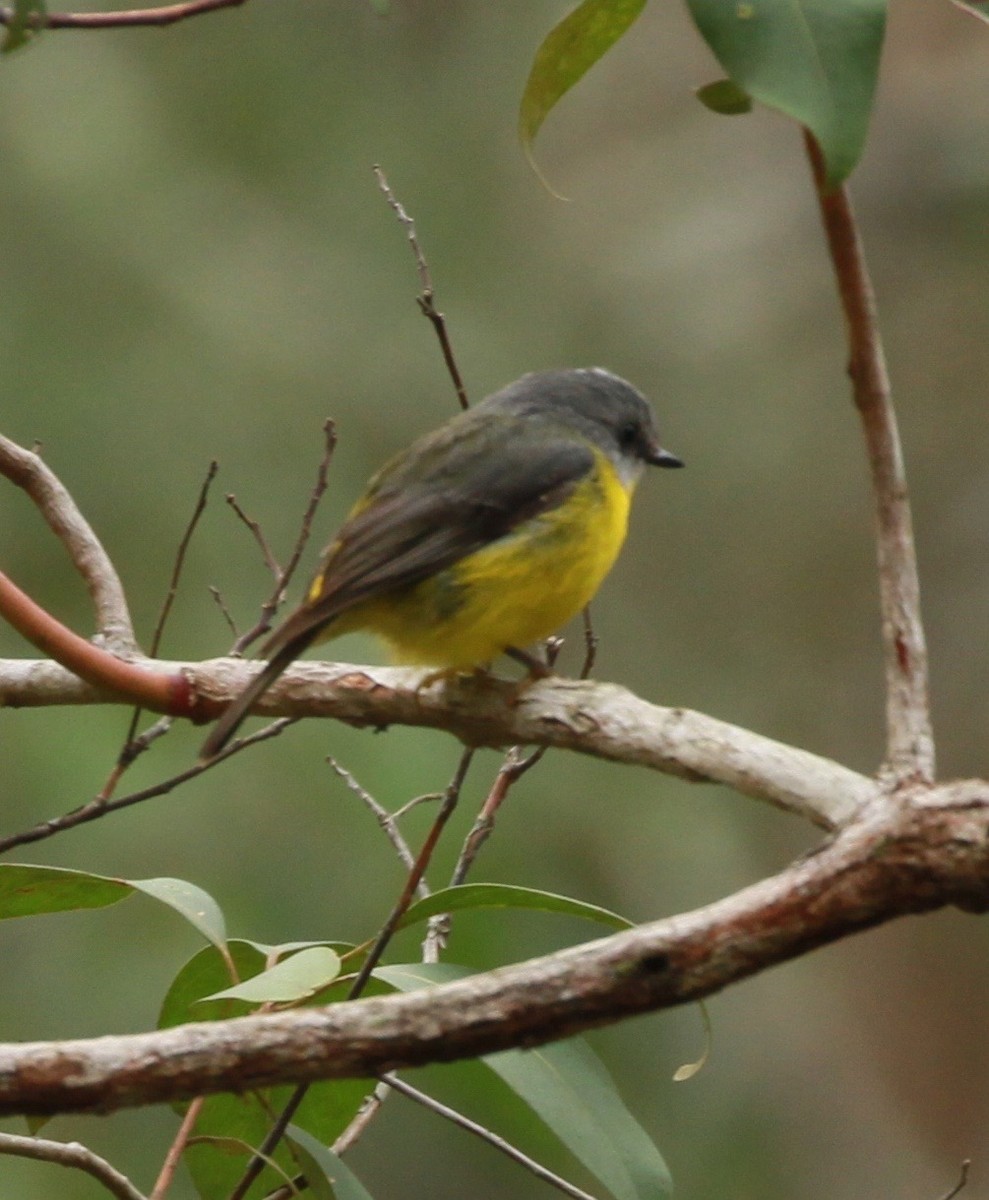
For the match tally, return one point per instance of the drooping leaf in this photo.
(567, 53)
(814, 60)
(198, 907)
(689, 1070)
(499, 895)
(568, 1088)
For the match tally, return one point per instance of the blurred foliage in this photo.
(195, 262)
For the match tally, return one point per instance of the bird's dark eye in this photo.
(628, 434)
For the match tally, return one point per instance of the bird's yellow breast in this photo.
(515, 591)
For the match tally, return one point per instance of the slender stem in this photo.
(909, 739)
(177, 1149)
(166, 14)
(486, 1135)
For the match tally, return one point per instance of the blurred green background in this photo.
(195, 262)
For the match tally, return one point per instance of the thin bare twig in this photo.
(385, 819)
(173, 583)
(256, 532)
(909, 738)
(591, 643)
(425, 299)
(133, 748)
(30, 472)
(71, 1154)
(98, 808)
(486, 1135)
(167, 14)
(962, 1181)
(284, 575)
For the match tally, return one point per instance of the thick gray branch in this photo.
(600, 719)
(904, 855)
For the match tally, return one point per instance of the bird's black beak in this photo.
(659, 457)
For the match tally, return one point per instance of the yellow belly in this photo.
(518, 590)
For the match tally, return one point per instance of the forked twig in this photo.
(50, 496)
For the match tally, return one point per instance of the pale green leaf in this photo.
(978, 8)
(198, 907)
(294, 978)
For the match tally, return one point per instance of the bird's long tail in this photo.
(230, 721)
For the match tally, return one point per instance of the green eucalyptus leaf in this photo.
(813, 60)
(189, 901)
(568, 1088)
(294, 978)
(567, 53)
(26, 891)
(499, 895)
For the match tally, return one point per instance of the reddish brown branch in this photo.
(909, 739)
(167, 14)
(162, 692)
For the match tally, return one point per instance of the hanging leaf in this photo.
(813, 60)
(567, 53)
(236, 1120)
(568, 1088)
(198, 907)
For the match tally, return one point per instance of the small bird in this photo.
(484, 536)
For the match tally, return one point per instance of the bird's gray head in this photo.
(604, 407)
